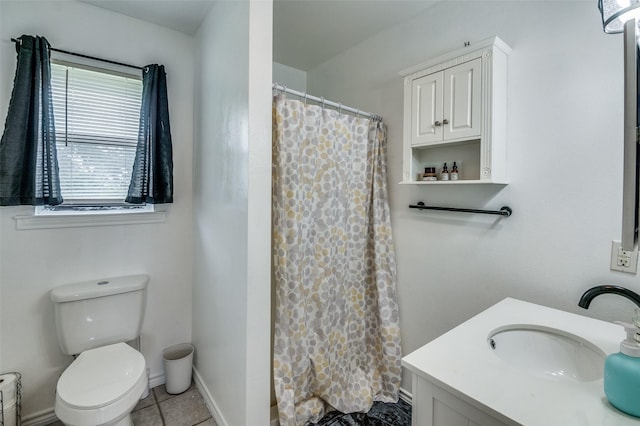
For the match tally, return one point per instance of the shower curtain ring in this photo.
(322, 99)
(340, 108)
(284, 91)
(305, 98)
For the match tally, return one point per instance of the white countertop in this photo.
(461, 362)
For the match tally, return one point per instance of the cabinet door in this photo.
(462, 101)
(426, 109)
(433, 406)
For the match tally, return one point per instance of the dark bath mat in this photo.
(381, 414)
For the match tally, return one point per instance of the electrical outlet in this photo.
(622, 260)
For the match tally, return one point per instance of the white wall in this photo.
(33, 262)
(232, 192)
(290, 77)
(564, 164)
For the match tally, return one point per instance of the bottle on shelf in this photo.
(444, 175)
(454, 175)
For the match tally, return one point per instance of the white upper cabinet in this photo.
(446, 105)
(426, 109)
(455, 109)
(461, 118)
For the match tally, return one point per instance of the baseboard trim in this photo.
(208, 399)
(41, 418)
(157, 380)
(406, 396)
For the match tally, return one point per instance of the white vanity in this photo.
(516, 363)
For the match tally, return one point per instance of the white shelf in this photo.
(455, 182)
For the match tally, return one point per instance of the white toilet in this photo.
(93, 320)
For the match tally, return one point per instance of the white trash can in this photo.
(178, 362)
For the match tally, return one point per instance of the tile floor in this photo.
(163, 409)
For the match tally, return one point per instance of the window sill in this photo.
(32, 221)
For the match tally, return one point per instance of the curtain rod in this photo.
(324, 102)
(81, 55)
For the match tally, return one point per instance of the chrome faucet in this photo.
(590, 294)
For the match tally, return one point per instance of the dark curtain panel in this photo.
(152, 177)
(28, 160)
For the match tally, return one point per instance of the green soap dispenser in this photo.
(622, 372)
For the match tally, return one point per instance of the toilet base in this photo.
(126, 421)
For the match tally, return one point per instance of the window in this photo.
(96, 119)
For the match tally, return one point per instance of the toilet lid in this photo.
(100, 376)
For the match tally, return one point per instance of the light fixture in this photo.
(616, 12)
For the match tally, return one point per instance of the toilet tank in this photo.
(97, 313)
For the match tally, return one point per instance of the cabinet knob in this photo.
(437, 124)
(445, 121)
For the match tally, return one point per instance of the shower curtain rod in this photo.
(324, 102)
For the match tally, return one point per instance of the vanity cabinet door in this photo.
(433, 406)
(462, 101)
(427, 108)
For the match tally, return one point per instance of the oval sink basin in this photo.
(548, 352)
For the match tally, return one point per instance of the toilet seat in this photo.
(101, 385)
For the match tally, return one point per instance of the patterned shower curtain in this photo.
(337, 335)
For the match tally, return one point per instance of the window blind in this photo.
(96, 121)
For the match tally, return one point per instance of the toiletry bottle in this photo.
(454, 172)
(622, 373)
(445, 173)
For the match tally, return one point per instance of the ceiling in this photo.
(305, 32)
(180, 15)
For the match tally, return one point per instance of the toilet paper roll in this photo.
(9, 414)
(8, 388)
